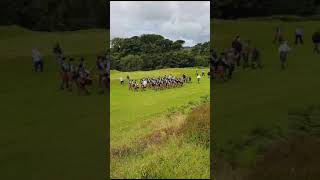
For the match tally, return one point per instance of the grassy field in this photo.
(154, 133)
(47, 133)
(251, 111)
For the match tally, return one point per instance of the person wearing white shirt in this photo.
(198, 77)
(37, 60)
(145, 83)
(121, 80)
(283, 52)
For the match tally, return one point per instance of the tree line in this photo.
(55, 15)
(59, 15)
(152, 51)
(230, 9)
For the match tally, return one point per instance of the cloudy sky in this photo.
(188, 20)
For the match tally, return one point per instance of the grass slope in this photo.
(145, 129)
(260, 99)
(46, 133)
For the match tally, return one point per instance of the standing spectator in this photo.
(121, 81)
(255, 58)
(246, 54)
(283, 52)
(237, 46)
(299, 35)
(231, 58)
(316, 42)
(37, 60)
(278, 35)
(198, 77)
(57, 52)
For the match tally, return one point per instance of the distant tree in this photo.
(131, 63)
(150, 38)
(152, 51)
(116, 44)
(178, 45)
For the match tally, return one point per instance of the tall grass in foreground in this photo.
(175, 151)
(196, 129)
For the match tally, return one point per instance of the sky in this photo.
(185, 20)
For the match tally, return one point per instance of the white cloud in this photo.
(186, 20)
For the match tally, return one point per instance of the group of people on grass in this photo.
(161, 82)
(284, 47)
(239, 54)
(247, 55)
(299, 38)
(79, 74)
(75, 74)
(157, 83)
(202, 74)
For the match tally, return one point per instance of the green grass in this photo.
(149, 116)
(46, 133)
(261, 98)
